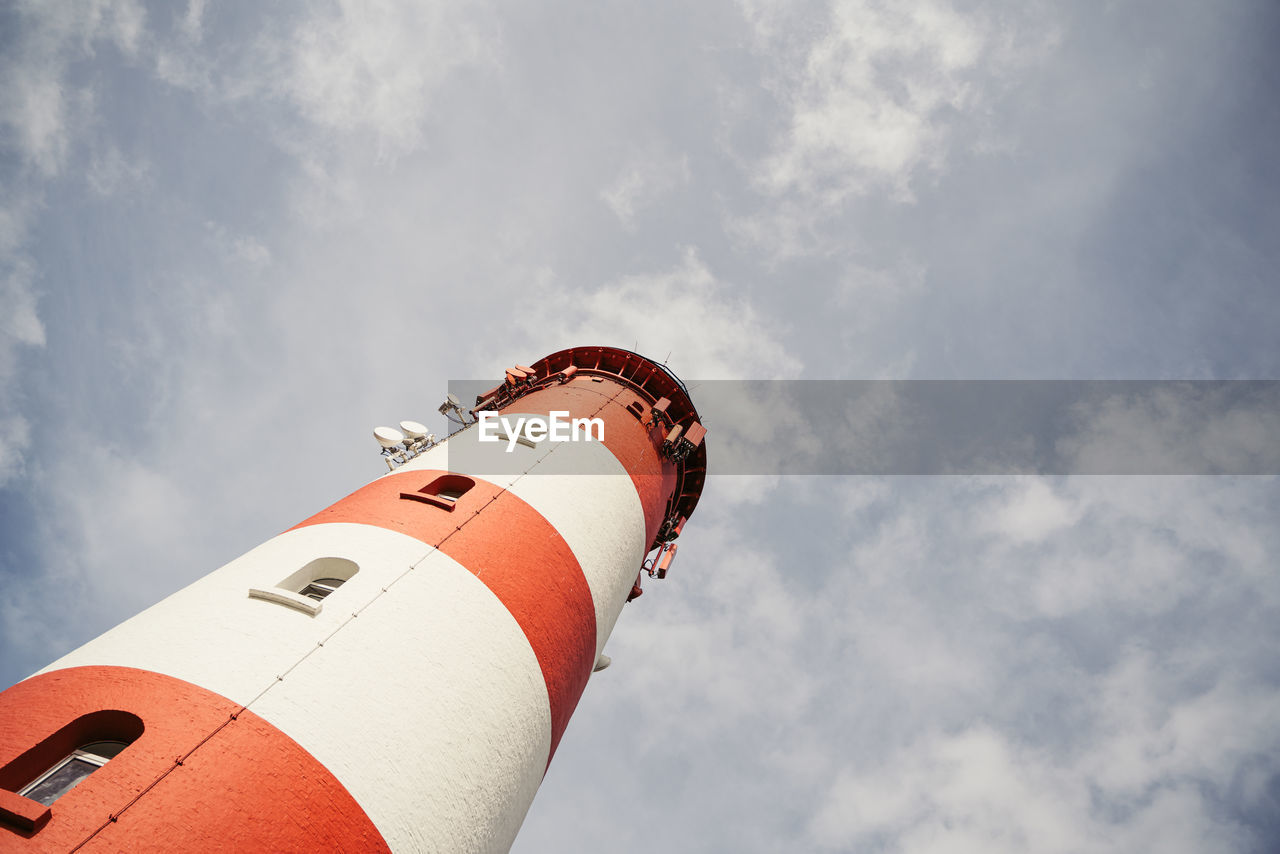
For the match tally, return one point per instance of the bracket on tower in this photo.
(683, 441)
(454, 413)
(659, 416)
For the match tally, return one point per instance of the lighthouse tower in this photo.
(393, 673)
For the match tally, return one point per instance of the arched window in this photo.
(34, 779)
(443, 492)
(303, 589)
(70, 770)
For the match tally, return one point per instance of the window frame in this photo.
(80, 754)
(33, 765)
(289, 590)
(327, 585)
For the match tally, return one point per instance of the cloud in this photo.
(192, 23)
(643, 180)
(38, 104)
(373, 67)
(972, 791)
(710, 331)
(21, 323)
(977, 790)
(899, 683)
(20, 331)
(875, 99)
(1226, 428)
(1030, 511)
(40, 111)
(869, 103)
(246, 250)
(109, 172)
(872, 97)
(359, 74)
(15, 437)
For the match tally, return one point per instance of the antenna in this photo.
(388, 437)
(453, 410)
(413, 429)
(400, 446)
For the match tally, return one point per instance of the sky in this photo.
(235, 237)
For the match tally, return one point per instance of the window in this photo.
(444, 491)
(58, 761)
(62, 777)
(321, 588)
(303, 590)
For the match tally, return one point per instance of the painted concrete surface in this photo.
(581, 489)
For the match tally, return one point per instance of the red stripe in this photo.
(247, 787)
(518, 555)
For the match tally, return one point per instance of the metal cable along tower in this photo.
(393, 673)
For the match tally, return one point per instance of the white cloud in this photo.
(1172, 429)
(875, 100)
(711, 331)
(365, 73)
(965, 792)
(40, 111)
(373, 66)
(242, 249)
(192, 23)
(38, 106)
(15, 437)
(19, 321)
(643, 180)
(869, 103)
(1030, 511)
(908, 695)
(978, 791)
(20, 328)
(35, 109)
(110, 172)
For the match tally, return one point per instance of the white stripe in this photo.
(211, 633)
(431, 710)
(581, 489)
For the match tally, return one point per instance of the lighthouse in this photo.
(393, 673)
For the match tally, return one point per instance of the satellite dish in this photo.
(388, 437)
(453, 398)
(413, 429)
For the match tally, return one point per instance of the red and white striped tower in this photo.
(415, 707)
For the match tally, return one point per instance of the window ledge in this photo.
(280, 596)
(22, 813)
(433, 500)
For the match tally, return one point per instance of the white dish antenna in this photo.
(388, 437)
(453, 398)
(413, 429)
